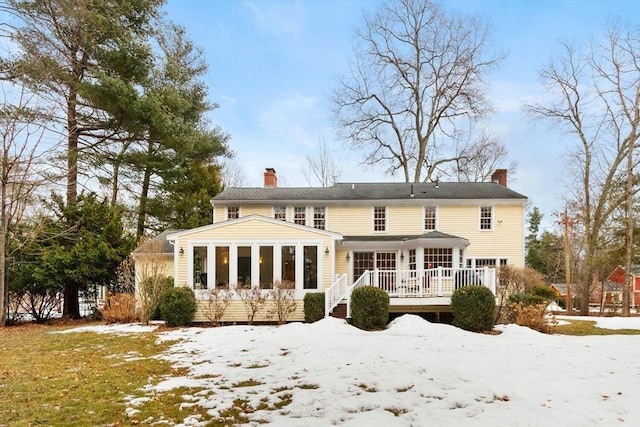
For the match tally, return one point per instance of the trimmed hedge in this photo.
(178, 306)
(369, 308)
(313, 307)
(473, 308)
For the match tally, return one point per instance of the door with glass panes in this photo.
(385, 262)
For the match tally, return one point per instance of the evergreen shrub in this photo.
(545, 292)
(473, 308)
(178, 306)
(369, 308)
(313, 307)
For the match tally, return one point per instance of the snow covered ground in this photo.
(415, 373)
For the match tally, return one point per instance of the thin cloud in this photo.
(277, 18)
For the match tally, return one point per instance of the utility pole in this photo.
(567, 260)
(626, 291)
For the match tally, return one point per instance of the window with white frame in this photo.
(280, 212)
(429, 217)
(233, 212)
(319, 217)
(438, 257)
(486, 262)
(379, 218)
(486, 218)
(300, 215)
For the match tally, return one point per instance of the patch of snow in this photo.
(412, 373)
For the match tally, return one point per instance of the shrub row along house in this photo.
(417, 241)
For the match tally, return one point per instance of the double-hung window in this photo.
(429, 217)
(233, 212)
(319, 217)
(380, 218)
(280, 212)
(300, 215)
(486, 217)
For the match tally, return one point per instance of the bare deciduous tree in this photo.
(21, 137)
(595, 96)
(151, 264)
(478, 160)
(416, 83)
(283, 297)
(232, 174)
(253, 300)
(322, 167)
(216, 305)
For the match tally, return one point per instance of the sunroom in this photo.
(253, 251)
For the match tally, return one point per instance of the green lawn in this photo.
(78, 379)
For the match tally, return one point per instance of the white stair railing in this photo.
(335, 294)
(365, 280)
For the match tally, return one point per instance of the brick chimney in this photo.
(270, 178)
(500, 176)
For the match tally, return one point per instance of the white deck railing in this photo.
(436, 282)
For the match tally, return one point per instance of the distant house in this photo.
(561, 290)
(615, 282)
(417, 241)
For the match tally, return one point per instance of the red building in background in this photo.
(617, 276)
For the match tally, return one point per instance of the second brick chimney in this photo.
(270, 178)
(500, 176)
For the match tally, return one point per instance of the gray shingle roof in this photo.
(158, 242)
(399, 238)
(371, 191)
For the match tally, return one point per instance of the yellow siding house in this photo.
(417, 241)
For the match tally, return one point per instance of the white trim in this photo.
(211, 265)
(176, 262)
(334, 235)
(189, 254)
(233, 266)
(255, 265)
(299, 266)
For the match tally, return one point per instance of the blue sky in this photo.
(273, 66)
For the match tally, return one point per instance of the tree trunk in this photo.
(72, 148)
(142, 208)
(114, 186)
(71, 306)
(4, 290)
